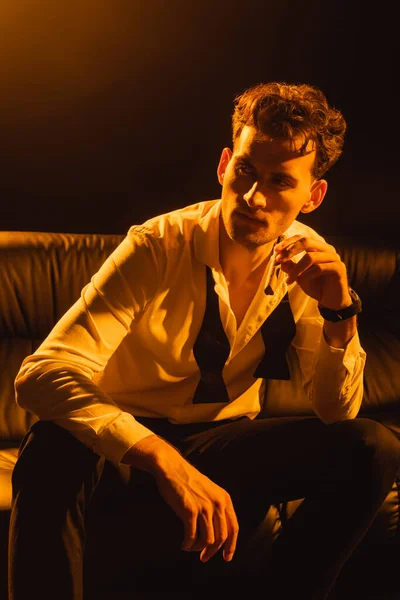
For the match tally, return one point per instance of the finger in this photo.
(190, 530)
(283, 247)
(233, 532)
(296, 270)
(319, 270)
(205, 531)
(220, 535)
(296, 244)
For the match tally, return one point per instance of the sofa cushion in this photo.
(14, 421)
(8, 458)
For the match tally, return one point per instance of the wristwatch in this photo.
(344, 313)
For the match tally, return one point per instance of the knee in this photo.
(50, 455)
(370, 442)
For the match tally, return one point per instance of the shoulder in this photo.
(174, 226)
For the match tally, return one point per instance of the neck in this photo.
(240, 263)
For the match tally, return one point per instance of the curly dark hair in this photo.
(290, 110)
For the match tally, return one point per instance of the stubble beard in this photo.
(252, 240)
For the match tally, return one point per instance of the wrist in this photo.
(344, 302)
(340, 333)
(347, 310)
(151, 454)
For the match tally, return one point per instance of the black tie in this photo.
(211, 348)
(277, 332)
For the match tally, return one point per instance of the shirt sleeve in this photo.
(56, 381)
(332, 378)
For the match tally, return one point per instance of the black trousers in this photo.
(64, 496)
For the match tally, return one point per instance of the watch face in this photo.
(353, 295)
(356, 299)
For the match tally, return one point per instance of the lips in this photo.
(250, 218)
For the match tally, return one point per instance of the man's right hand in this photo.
(205, 508)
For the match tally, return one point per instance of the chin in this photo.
(253, 244)
(246, 236)
(252, 241)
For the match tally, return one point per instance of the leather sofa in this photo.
(42, 274)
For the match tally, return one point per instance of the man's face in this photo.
(265, 184)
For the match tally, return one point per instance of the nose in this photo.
(254, 197)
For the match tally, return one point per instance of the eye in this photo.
(281, 181)
(244, 170)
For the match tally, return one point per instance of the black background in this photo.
(113, 111)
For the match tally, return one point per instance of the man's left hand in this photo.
(320, 273)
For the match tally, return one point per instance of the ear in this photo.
(226, 156)
(317, 194)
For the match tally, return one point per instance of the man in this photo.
(163, 368)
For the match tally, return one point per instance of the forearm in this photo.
(337, 385)
(152, 454)
(339, 334)
(70, 399)
(206, 509)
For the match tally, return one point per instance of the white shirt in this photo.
(125, 348)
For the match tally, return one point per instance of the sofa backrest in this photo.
(373, 267)
(41, 276)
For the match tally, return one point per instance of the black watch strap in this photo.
(344, 313)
